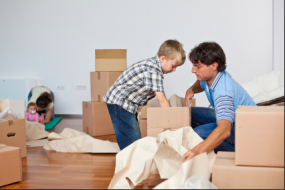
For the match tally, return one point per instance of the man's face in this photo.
(203, 72)
(168, 66)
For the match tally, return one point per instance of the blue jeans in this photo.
(204, 122)
(44, 111)
(125, 124)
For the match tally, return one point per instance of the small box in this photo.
(143, 126)
(96, 119)
(169, 118)
(259, 136)
(13, 133)
(110, 60)
(226, 175)
(100, 84)
(10, 165)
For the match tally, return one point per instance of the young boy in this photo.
(136, 86)
(216, 126)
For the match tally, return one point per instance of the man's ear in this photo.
(215, 66)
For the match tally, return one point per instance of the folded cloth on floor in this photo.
(74, 141)
(150, 159)
(37, 143)
(35, 131)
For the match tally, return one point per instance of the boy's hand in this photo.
(188, 97)
(162, 99)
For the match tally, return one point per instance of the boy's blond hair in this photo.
(172, 49)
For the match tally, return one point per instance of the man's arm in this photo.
(217, 137)
(48, 116)
(162, 99)
(196, 88)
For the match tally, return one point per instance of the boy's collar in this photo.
(159, 63)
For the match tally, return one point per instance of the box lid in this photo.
(110, 53)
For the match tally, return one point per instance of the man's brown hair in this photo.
(172, 49)
(209, 53)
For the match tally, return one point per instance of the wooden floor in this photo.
(53, 170)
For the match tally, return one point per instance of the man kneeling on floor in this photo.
(216, 126)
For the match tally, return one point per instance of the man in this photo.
(216, 126)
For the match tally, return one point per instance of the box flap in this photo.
(110, 54)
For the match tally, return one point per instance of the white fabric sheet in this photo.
(35, 131)
(150, 159)
(74, 141)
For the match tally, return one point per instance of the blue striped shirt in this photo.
(225, 95)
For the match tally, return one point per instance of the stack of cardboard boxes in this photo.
(258, 162)
(154, 119)
(12, 142)
(109, 65)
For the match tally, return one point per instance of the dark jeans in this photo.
(125, 124)
(44, 111)
(204, 122)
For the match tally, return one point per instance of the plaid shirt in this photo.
(137, 85)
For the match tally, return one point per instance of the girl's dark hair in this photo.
(209, 53)
(44, 100)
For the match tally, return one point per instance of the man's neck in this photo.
(210, 82)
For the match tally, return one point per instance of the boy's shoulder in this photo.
(149, 65)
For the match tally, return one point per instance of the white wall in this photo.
(54, 41)
(278, 34)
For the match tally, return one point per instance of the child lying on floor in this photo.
(32, 114)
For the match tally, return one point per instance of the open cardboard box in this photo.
(10, 165)
(13, 132)
(110, 60)
(100, 84)
(173, 118)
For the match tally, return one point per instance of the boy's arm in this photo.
(196, 88)
(162, 99)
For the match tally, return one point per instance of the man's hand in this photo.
(190, 154)
(188, 97)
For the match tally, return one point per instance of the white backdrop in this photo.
(54, 41)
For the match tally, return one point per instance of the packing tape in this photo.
(99, 76)
(10, 122)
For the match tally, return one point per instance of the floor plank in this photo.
(53, 170)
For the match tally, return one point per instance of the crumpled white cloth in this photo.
(35, 131)
(266, 87)
(74, 141)
(150, 159)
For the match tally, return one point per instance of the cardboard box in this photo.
(110, 59)
(13, 133)
(259, 136)
(96, 119)
(169, 118)
(17, 107)
(143, 126)
(100, 84)
(10, 165)
(226, 175)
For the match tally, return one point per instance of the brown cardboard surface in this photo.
(169, 118)
(96, 119)
(17, 128)
(144, 111)
(226, 175)
(111, 60)
(143, 127)
(259, 136)
(100, 84)
(10, 165)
